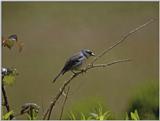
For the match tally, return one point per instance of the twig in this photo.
(64, 103)
(91, 65)
(124, 37)
(6, 103)
(49, 110)
(108, 64)
(42, 105)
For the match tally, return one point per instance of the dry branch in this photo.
(64, 102)
(124, 37)
(108, 64)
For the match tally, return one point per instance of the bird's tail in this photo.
(56, 77)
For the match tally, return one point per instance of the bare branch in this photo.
(124, 37)
(49, 110)
(64, 103)
(109, 64)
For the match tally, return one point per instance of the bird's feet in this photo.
(83, 70)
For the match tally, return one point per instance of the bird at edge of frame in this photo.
(75, 62)
(11, 41)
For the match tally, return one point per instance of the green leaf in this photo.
(136, 114)
(126, 118)
(35, 114)
(107, 115)
(101, 117)
(83, 116)
(7, 115)
(133, 116)
(9, 79)
(29, 117)
(72, 116)
(94, 115)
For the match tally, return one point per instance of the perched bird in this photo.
(75, 62)
(11, 41)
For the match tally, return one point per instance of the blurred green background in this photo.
(53, 31)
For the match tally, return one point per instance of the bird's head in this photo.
(13, 37)
(87, 53)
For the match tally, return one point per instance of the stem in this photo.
(6, 103)
(64, 103)
(124, 37)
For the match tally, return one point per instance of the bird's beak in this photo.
(92, 54)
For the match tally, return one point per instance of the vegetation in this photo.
(146, 101)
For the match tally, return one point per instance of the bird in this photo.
(75, 62)
(10, 41)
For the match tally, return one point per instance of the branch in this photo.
(64, 103)
(6, 103)
(49, 110)
(124, 37)
(92, 65)
(108, 64)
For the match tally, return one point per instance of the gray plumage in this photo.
(74, 62)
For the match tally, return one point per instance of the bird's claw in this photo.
(84, 70)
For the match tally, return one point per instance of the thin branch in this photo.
(64, 103)
(91, 65)
(6, 103)
(42, 105)
(49, 110)
(109, 64)
(124, 37)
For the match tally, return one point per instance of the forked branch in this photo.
(64, 102)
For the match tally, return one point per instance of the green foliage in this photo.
(96, 114)
(31, 109)
(7, 115)
(99, 114)
(134, 116)
(146, 102)
(127, 117)
(72, 116)
(9, 79)
(32, 115)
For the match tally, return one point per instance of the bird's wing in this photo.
(72, 61)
